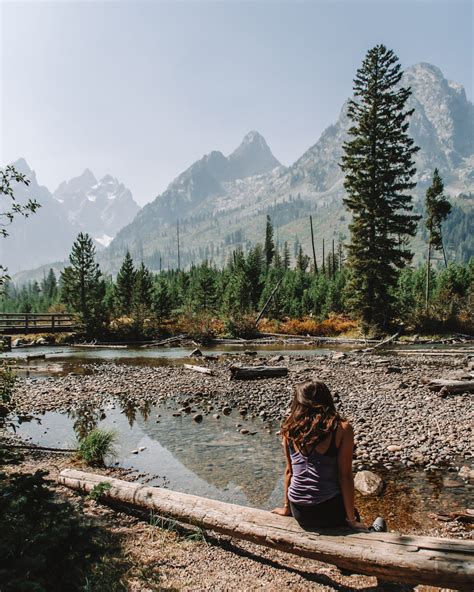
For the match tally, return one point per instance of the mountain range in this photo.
(221, 202)
(100, 208)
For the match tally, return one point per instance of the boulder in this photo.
(368, 483)
(466, 473)
(198, 418)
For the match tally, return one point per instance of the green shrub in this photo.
(96, 446)
(45, 546)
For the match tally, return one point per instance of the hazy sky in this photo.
(140, 90)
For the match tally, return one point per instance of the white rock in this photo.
(368, 483)
(394, 448)
(467, 473)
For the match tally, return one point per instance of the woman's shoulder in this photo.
(344, 430)
(345, 426)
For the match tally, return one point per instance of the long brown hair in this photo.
(312, 417)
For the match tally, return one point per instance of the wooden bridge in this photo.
(13, 323)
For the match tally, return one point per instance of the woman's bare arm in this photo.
(285, 511)
(346, 478)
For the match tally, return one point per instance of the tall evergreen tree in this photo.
(269, 248)
(438, 209)
(255, 273)
(379, 167)
(82, 285)
(302, 260)
(123, 292)
(142, 289)
(49, 286)
(286, 256)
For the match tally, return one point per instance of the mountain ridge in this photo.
(213, 209)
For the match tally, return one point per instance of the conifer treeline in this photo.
(240, 288)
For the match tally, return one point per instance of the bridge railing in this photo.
(31, 322)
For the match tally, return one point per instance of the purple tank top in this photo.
(314, 477)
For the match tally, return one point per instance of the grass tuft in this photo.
(96, 446)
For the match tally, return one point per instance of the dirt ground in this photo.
(155, 558)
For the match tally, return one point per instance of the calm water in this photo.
(59, 361)
(213, 459)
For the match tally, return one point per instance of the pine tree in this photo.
(269, 248)
(203, 289)
(254, 269)
(438, 209)
(286, 256)
(142, 296)
(82, 286)
(379, 167)
(161, 300)
(49, 286)
(302, 260)
(123, 292)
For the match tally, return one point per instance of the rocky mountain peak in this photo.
(252, 157)
(23, 167)
(77, 185)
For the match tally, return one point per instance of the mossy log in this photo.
(388, 556)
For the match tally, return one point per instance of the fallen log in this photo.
(99, 346)
(429, 352)
(252, 372)
(383, 342)
(388, 556)
(451, 386)
(201, 369)
(35, 357)
(458, 516)
(40, 448)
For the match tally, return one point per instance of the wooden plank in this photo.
(391, 557)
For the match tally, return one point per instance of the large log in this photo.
(251, 372)
(391, 557)
(451, 386)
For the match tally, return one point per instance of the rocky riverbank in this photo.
(397, 419)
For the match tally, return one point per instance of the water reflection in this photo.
(214, 459)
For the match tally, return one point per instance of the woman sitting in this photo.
(319, 443)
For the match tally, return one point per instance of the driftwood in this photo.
(40, 448)
(265, 306)
(201, 369)
(388, 556)
(458, 516)
(165, 342)
(383, 342)
(100, 345)
(250, 372)
(451, 386)
(35, 357)
(430, 352)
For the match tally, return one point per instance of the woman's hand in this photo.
(285, 511)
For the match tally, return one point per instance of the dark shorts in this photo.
(326, 514)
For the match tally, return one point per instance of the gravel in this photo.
(397, 420)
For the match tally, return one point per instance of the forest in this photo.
(205, 300)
